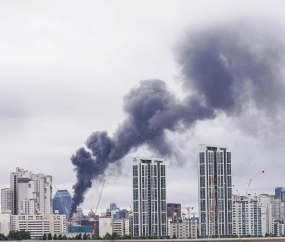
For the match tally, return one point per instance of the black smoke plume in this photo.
(223, 69)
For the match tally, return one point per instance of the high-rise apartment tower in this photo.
(215, 190)
(32, 193)
(149, 197)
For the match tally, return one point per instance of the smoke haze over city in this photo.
(224, 69)
(84, 88)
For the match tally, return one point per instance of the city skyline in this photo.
(64, 73)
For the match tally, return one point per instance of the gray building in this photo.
(215, 191)
(183, 228)
(32, 193)
(280, 192)
(149, 197)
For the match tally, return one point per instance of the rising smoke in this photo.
(223, 69)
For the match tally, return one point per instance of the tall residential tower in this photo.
(215, 190)
(32, 193)
(149, 197)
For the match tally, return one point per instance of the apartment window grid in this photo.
(149, 193)
(215, 208)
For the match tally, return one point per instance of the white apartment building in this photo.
(126, 226)
(5, 223)
(7, 199)
(37, 225)
(105, 225)
(32, 193)
(149, 197)
(215, 190)
(246, 216)
(255, 216)
(117, 227)
(183, 228)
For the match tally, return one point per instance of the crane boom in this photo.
(187, 208)
(94, 214)
(100, 197)
(248, 187)
(61, 200)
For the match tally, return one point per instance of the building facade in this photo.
(63, 206)
(105, 225)
(37, 225)
(32, 193)
(5, 223)
(246, 216)
(149, 197)
(7, 199)
(117, 227)
(215, 191)
(183, 228)
(280, 192)
(173, 208)
(126, 226)
(255, 216)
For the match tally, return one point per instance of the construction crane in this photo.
(248, 187)
(238, 193)
(94, 214)
(188, 209)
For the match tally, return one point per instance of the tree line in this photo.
(16, 235)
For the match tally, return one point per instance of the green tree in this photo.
(54, 237)
(174, 236)
(85, 237)
(59, 237)
(78, 237)
(64, 237)
(44, 236)
(19, 236)
(168, 237)
(49, 236)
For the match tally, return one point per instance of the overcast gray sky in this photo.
(66, 65)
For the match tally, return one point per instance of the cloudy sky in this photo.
(65, 67)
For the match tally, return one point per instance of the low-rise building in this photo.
(126, 226)
(117, 227)
(39, 224)
(183, 228)
(105, 225)
(5, 223)
(7, 199)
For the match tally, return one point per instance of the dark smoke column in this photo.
(224, 69)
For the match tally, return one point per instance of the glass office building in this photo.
(60, 205)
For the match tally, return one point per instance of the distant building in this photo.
(7, 199)
(32, 193)
(280, 192)
(126, 226)
(63, 205)
(184, 228)
(117, 227)
(113, 206)
(5, 224)
(81, 229)
(37, 225)
(121, 214)
(215, 191)
(85, 222)
(105, 225)
(255, 216)
(149, 197)
(173, 208)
